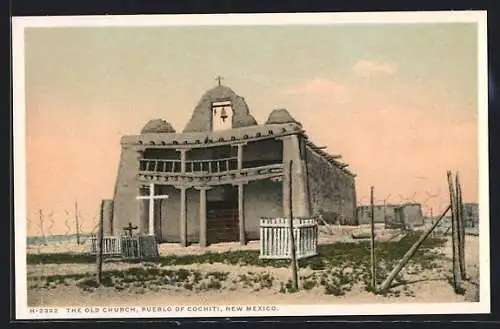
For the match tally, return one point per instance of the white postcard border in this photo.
(19, 24)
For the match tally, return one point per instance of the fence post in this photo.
(262, 238)
(409, 254)
(77, 225)
(292, 238)
(100, 239)
(461, 228)
(372, 241)
(455, 234)
(40, 212)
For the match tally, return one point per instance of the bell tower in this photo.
(220, 108)
(222, 112)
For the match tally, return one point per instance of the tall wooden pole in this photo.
(292, 238)
(454, 234)
(372, 240)
(41, 227)
(77, 225)
(461, 228)
(409, 254)
(100, 240)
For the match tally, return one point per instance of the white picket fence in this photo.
(125, 246)
(275, 238)
(111, 246)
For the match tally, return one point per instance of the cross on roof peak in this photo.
(219, 78)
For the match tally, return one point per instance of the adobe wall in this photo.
(413, 215)
(262, 199)
(301, 206)
(107, 216)
(125, 205)
(407, 216)
(471, 214)
(331, 190)
(380, 215)
(170, 215)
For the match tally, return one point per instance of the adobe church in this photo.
(215, 181)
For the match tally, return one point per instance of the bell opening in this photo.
(222, 115)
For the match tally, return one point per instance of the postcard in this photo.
(171, 166)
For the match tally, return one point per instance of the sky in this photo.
(398, 102)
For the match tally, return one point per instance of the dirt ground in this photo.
(429, 286)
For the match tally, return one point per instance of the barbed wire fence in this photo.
(59, 234)
(62, 229)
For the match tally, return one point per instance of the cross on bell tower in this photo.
(219, 78)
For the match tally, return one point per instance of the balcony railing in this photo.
(192, 166)
(188, 179)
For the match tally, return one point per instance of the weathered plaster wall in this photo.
(262, 199)
(332, 191)
(300, 187)
(107, 216)
(170, 222)
(413, 215)
(380, 215)
(407, 215)
(471, 214)
(125, 205)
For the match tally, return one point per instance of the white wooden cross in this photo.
(152, 197)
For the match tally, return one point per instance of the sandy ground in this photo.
(430, 292)
(428, 286)
(434, 288)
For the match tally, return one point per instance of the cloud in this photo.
(317, 86)
(366, 68)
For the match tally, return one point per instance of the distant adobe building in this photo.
(393, 215)
(471, 214)
(408, 215)
(382, 213)
(215, 180)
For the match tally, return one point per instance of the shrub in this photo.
(88, 283)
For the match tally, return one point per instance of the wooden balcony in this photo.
(192, 166)
(226, 173)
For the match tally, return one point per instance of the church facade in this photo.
(215, 181)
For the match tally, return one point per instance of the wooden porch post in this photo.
(151, 221)
(183, 217)
(240, 155)
(183, 160)
(203, 215)
(241, 213)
